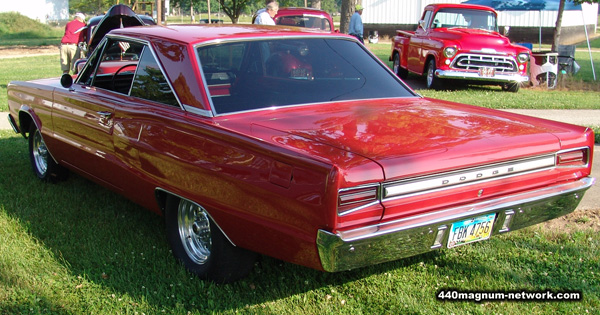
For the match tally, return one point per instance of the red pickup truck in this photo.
(460, 42)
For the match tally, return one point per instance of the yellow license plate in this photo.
(471, 230)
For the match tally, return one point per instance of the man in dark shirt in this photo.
(74, 34)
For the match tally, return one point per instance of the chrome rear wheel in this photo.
(194, 231)
(200, 245)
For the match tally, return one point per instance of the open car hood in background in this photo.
(118, 16)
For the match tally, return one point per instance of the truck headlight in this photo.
(523, 57)
(449, 52)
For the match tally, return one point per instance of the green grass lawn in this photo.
(76, 248)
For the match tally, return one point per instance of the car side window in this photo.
(150, 83)
(115, 67)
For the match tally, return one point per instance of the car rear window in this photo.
(249, 75)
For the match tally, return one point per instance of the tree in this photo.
(90, 6)
(558, 26)
(346, 13)
(233, 8)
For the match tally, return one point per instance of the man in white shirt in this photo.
(266, 17)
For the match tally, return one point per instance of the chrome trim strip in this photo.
(414, 235)
(452, 179)
(196, 110)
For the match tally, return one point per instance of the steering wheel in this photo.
(114, 77)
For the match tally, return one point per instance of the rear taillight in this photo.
(350, 200)
(573, 158)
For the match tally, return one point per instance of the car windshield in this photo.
(464, 18)
(248, 75)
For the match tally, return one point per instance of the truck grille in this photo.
(502, 64)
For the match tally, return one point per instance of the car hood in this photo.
(406, 137)
(118, 16)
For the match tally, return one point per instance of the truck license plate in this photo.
(487, 72)
(471, 230)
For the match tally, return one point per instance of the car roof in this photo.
(197, 33)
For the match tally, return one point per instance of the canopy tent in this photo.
(525, 5)
(537, 5)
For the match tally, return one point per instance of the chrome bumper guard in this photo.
(464, 75)
(415, 235)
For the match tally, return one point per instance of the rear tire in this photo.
(42, 163)
(401, 72)
(198, 243)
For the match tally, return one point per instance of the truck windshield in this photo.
(474, 19)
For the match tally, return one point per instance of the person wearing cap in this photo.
(356, 25)
(74, 34)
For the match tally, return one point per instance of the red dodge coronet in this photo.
(296, 144)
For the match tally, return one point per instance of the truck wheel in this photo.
(198, 243)
(401, 72)
(433, 82)
(511, 87)
(44, 166)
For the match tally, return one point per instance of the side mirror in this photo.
(506, 30)
(422, 24)
(66, 80)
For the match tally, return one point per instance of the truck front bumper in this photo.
(474, 76)
(415, 235)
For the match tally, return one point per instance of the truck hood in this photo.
(472, 39)
(405, 137)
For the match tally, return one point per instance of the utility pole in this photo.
(159, 20)
(209, 21)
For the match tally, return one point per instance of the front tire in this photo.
(42, 163)
(511, 87)
(433, 82)
(198, 243)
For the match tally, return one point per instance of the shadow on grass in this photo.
(121, 249)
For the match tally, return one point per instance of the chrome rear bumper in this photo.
(411, 236)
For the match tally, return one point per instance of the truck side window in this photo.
(427, 18)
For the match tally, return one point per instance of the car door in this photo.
(83, 115)
(414, 54)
